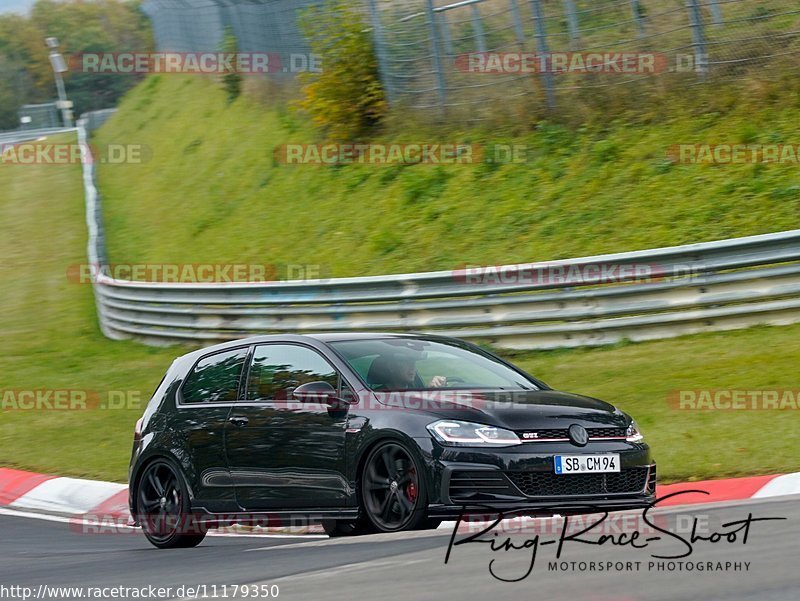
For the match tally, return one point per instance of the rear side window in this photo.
(215, 378)
(277, 369)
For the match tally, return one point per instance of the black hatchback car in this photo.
(370, 433)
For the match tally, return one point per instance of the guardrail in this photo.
(640, 295)
(22, 135)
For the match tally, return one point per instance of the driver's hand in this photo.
(438, 382)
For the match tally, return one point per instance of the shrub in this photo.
(345, 99)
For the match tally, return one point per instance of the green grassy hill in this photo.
(213, 192)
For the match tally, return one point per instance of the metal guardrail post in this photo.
(698, 39)
(541, 48)
(437, 59)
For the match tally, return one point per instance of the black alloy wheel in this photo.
(163, 508)
(392, 489)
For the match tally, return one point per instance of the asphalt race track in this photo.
(411, 566)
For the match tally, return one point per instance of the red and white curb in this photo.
(94, 500)
(68, 497)
(732, 489)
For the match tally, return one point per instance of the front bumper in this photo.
(522, 480)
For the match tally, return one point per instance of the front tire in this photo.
(163, 508)
(394, 496)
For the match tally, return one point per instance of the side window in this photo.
(215, 378)
(277, 369)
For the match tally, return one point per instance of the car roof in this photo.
(322, 337)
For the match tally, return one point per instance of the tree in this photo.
(81, 27)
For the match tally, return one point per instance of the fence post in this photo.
(699, 39)
(477, 27)
(572, 23)
(380, 51)
(636, 9)
(517, 18)
(225, 22)
(437, 59)
(444, 29)
(716, 12)
(542, 50)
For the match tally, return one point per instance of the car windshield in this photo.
(389, 364)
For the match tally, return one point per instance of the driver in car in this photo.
(399, 372)
(408, 377)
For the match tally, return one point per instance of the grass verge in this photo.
(51, 337)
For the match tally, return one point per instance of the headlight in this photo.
(467, 434)
(633, 434)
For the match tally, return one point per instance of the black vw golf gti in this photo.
(370, 433)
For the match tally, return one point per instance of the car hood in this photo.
(518, 410)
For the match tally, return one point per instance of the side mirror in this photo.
(316, 392)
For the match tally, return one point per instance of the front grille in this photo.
(606, 432)
(478, 484)
(547, 484)
(547, 433)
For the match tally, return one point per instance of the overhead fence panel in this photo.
(457, 56)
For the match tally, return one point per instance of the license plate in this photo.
(586, 464)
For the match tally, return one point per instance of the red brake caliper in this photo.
(411, 487)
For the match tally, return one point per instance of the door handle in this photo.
(238, 420)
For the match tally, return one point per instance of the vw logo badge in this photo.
(578, 435)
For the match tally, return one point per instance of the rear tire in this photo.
(163, 508)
